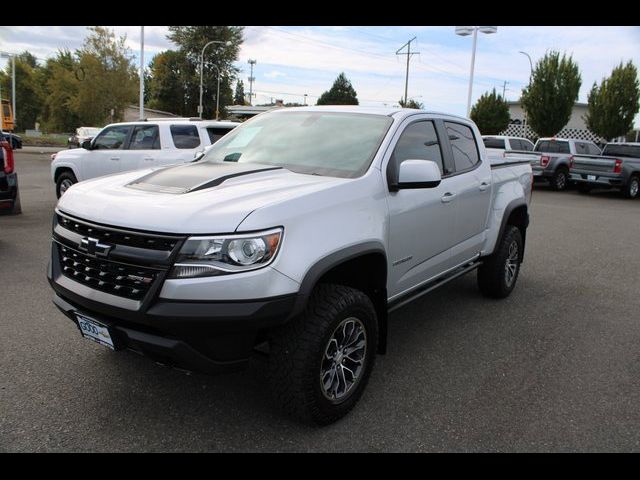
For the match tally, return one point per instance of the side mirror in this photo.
(198, 156)
(86, 145)
(418, 174)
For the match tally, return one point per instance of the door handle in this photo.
(483, 186)
(148, 159)
(115, 158)
(447, 197)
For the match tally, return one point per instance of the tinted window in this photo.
(465, 152)
(552, 146)
(493, 142)
(632, 151)
(216, 133)
(185, 136)
(515, 144)
(418, 142)
(581, 148)
(145, 137)
(112, 138)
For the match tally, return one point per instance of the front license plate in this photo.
(95, 331)
(591, 178)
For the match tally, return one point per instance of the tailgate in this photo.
(593, 163)
(515, 156)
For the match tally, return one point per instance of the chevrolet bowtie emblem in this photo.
(93, 247)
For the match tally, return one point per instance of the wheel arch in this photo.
(60, 169)
(517, 214)
(362, 266)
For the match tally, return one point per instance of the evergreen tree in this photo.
(238, 97)
(341, 93)
(490, 113)
(411, 103)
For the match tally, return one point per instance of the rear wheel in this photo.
(320, 362)
(560, 179)
(632, 189)
(498, 273)
(65, 180)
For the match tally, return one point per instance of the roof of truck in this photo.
(389, 111)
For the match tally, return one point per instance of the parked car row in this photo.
(121, 147)
(562, 161)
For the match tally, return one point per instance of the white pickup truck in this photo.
(296, 234)
(121, 147)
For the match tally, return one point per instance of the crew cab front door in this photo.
(421, 220)
(105, 155)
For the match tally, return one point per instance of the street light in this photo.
(201, 73)
(463, 32)
(524, 126)
(13, 82)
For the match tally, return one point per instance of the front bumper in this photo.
(204, 336)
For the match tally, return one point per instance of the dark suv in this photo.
(9, 194)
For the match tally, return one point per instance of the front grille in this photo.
(116, 278)
(114, 236)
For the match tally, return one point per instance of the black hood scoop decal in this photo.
(193, 177)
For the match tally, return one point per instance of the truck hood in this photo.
(194, 198)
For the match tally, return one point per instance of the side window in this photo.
(515, 144)
(593, 149)
(216, 133)
(185, 136)
(112, 138)
(463, 144)
(526, 145)
(418, 141)
(145, 137)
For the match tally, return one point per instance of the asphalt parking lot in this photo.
(554, 367)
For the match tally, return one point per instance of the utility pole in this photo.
(141, 73)
(408, 54)
(251, 80)
(504, 88)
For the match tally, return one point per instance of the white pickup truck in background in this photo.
(497, 145)
(121, 147)
(296, 233)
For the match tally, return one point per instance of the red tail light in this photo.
(544, 160)
(571, 161)
(617, 168)
(9, 164)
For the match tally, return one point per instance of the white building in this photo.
(575, 127)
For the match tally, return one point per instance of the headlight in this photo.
(219, 255)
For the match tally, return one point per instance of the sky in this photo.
(294, 60)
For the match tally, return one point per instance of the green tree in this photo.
(614, 103)
(491, 113)
(169, 72)
(238, 97)
(341, 93)
(60, 82)
(107, 76)
(411, 103)
(191, 40)
(552, 93)
(29, 92)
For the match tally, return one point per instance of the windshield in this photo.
(332, 144)
(631, 151)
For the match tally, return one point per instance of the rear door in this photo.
(470, 187)
(143, 148)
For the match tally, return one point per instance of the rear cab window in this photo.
(618, 150)
(491, 142)
(552, 146)
(185, 136)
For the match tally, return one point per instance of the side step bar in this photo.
(433, 285)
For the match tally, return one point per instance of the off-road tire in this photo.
(631, 189)
(298, 347)
(492, 278)
(560, 179)
(64, 176)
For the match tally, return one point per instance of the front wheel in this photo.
(320, 362)
(632, 188)
(498, 273)
(65, 180)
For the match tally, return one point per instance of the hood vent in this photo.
(193, 177)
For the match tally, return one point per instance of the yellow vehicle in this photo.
(6, 116)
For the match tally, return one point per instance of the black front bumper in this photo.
(201, 336)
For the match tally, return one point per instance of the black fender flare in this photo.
(324, 265)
